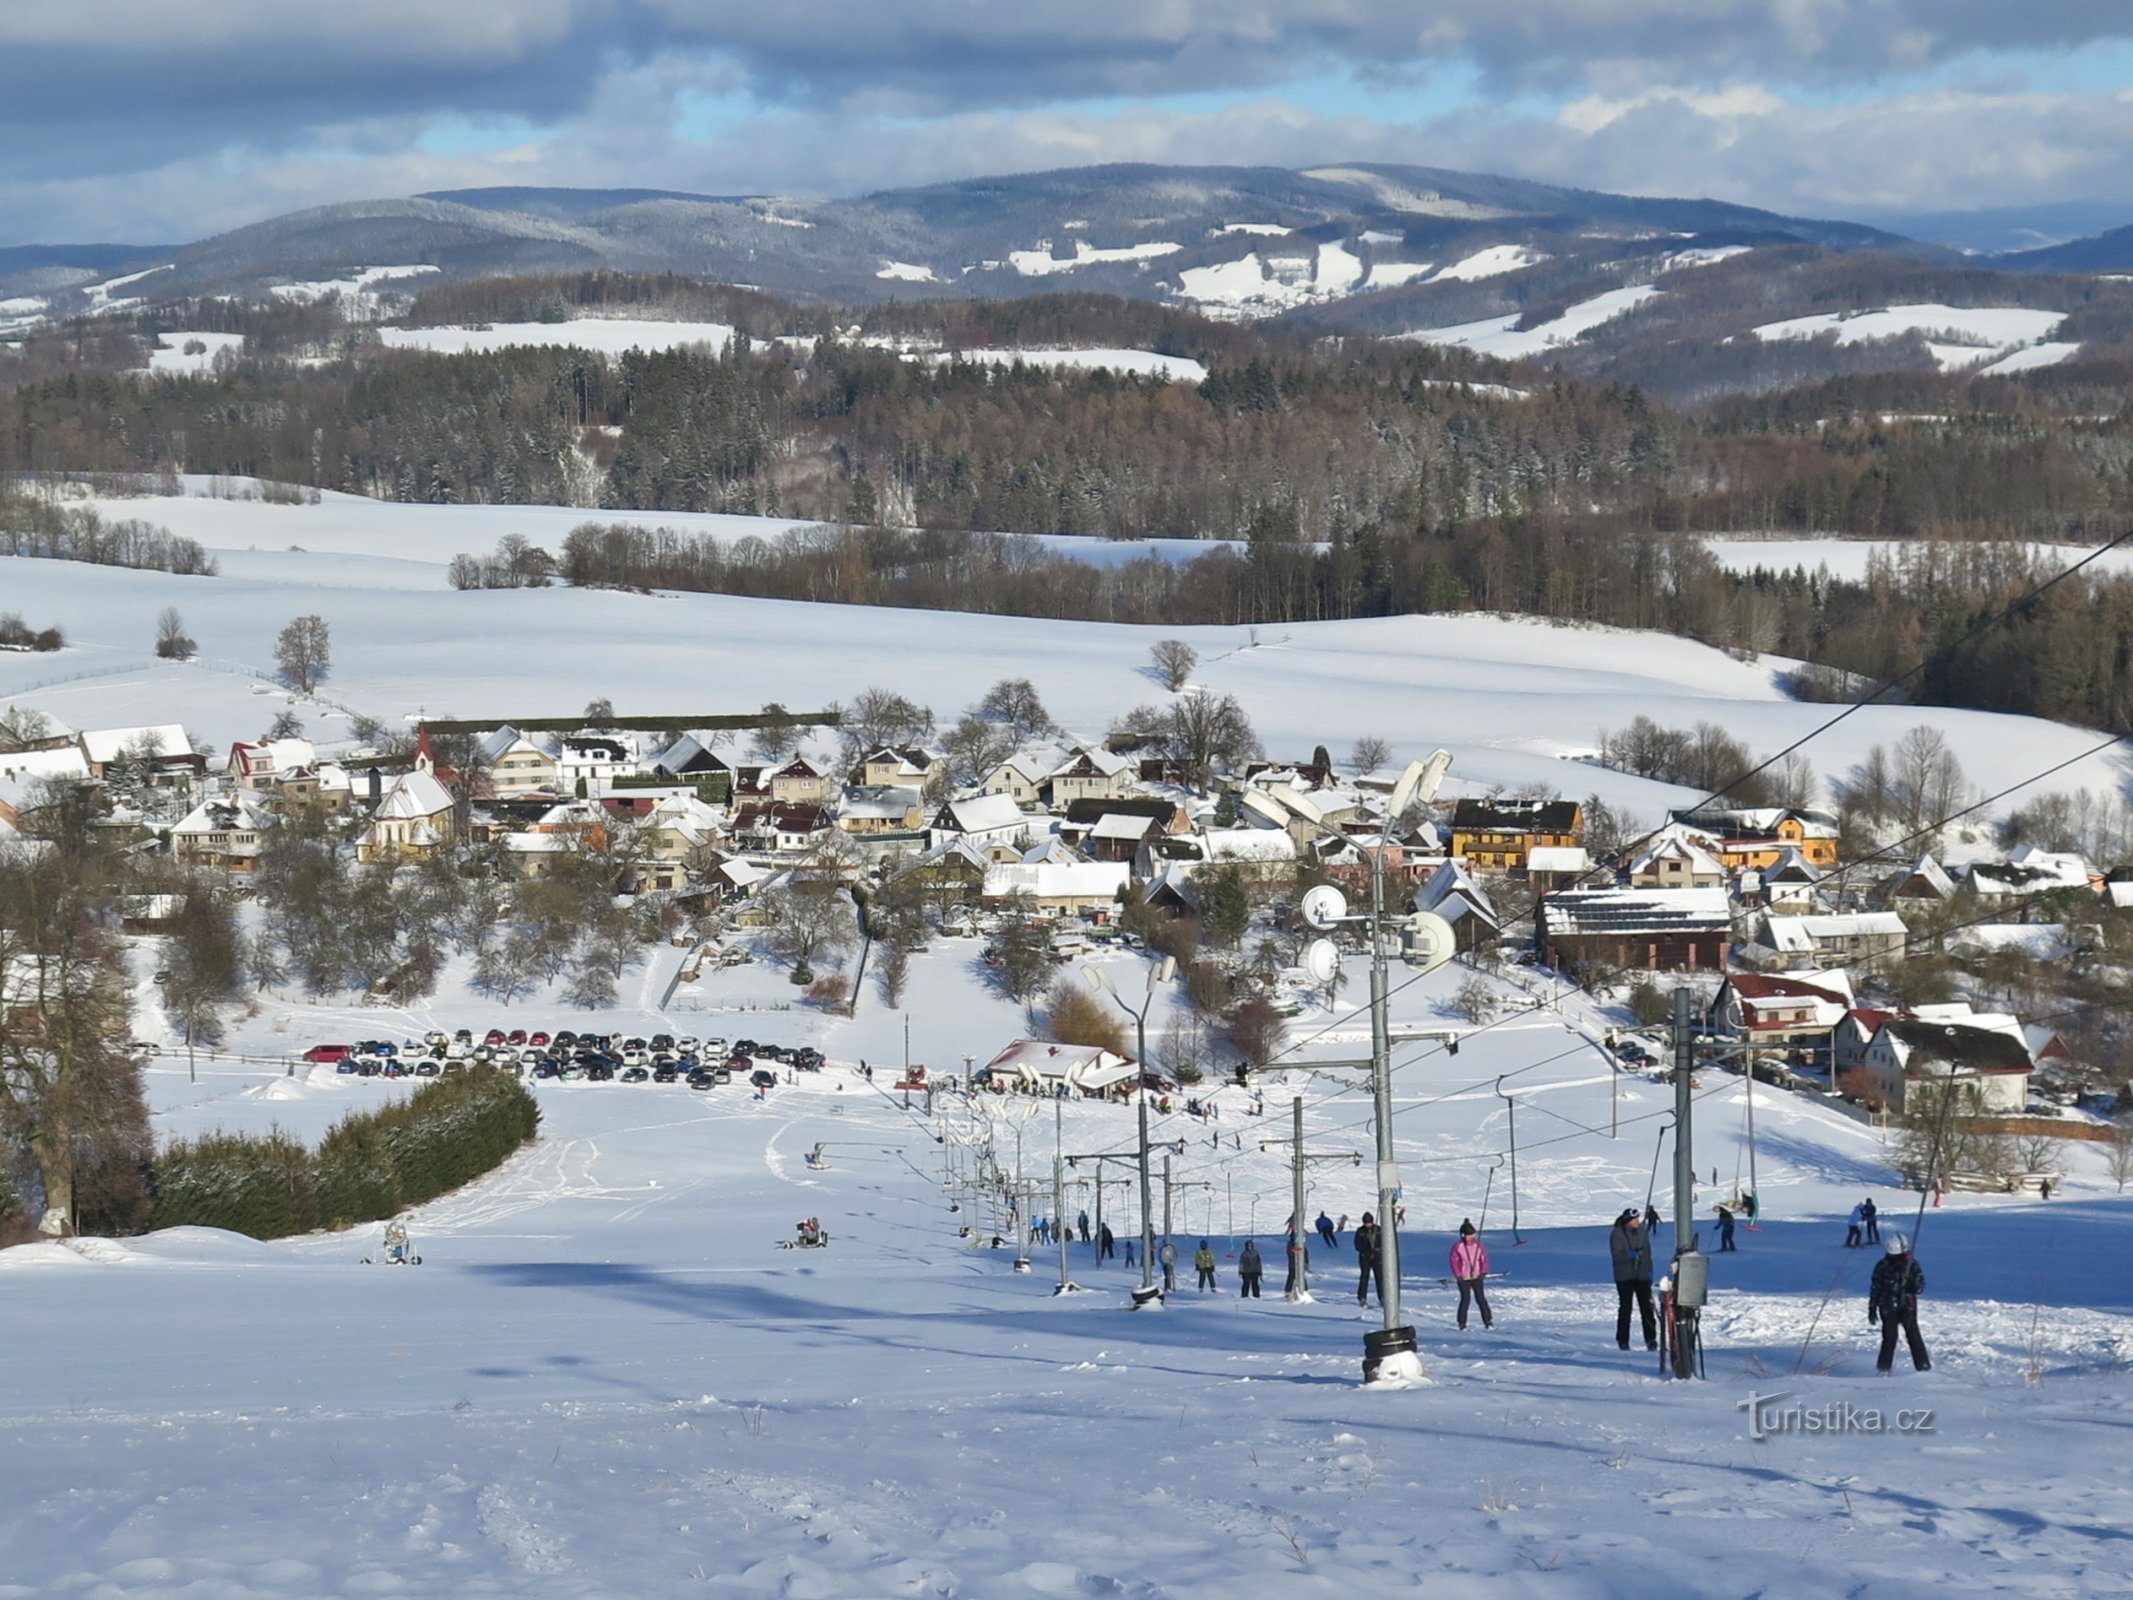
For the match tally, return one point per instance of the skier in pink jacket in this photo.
(1470, 1266)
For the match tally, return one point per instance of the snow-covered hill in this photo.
(605, 1378)
(1517, 701)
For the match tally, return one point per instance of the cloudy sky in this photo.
(148, 121)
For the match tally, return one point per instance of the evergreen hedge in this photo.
(369, 1165)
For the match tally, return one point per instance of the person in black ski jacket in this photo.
(1725, 1229)
(1249, 1268)
(1632, 1253)
(1104, 1247)
(1892, 1301)
(1370, 1269)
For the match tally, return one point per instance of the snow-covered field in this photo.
(1517, 701)
(1976, 334)
(1179, 369)
(1503, 338)
(1847, 558)
(608, 336)
(606, 1380)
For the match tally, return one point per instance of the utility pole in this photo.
(1059, 1228)
(1299, 1292)
(1148, 1294)
(1511, 1112)
(1167, 1285)
(1691, 1275)
(1389, 1353)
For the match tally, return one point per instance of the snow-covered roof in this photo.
(886, 803)
(413, 795)
(1247, 844)
(1111, 825)
(59, 766)
(1080, 1066)
(1801, 933)
(1636, 911)
(1080, 880)
(985, 813)
(1452, 894)
(2029, 871)
(104, 745)
(1676, 843)
(1573, 858)
(238, 810)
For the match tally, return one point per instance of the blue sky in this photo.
(139, 120)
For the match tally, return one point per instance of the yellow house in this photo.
(1497, 834)
(1760, 836)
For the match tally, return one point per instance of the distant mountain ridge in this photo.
(980, 236)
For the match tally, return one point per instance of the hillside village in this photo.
(1817, 963)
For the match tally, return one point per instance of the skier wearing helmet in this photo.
(1892, 1301)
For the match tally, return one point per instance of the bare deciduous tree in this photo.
(303, 653)
(172, 641)
(1174, 660)
(1370, 753)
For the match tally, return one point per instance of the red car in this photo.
(327, 1052)
(516, 1036)
(537, 1038)
(494, 1036)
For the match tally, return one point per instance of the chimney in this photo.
(377, 786)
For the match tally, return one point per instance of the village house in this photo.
(1925, 882)
(1782, 1011)
(1557, 866)
(1835, 939)
(1091, 774)
(907, 767)
(986, 819)
(952, 872)
(2029, 872)
(1676, 858)
(64, 764)
(587, 763)
(1040, 1066)
(1496, 835)
(165, 750)
(1661, 930)
(1020, 777)
(1758, 836)
(780, 829)
(223, 832)
(516, 765)
(1451, 893)
(1993, 1065)
(1058, 888)
(799, 782)
(891, 809)
(261, 765)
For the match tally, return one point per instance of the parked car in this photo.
(428, 1067)
(515, 1036)
(599, 1072)
(670, 1072)
(807, 1058)
(537, 1037)
(701, 1080)
(328, 1052)
(763, 1078)
(662, 1041)
(635, 1075)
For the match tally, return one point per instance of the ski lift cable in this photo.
(1975, 631)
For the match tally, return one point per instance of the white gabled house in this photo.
(1040, 1065)
(517, 765)
(223, 832)
(1064, 888)
(1091, 773)
(983, 820)
(1992, 1062)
